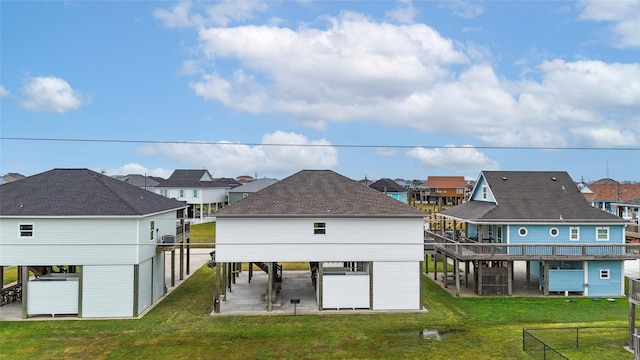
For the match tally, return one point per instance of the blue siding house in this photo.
(542, 219)
(391, 189)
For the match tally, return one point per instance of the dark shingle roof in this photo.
(79, 192)
(388, 185)
(528, 196)
(188, 178)
(318, 193)
(254, 186)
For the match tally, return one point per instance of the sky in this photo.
(395, 89)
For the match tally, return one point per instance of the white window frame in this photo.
(181, 193)
(520, 230)
(153, 227)
(319, 228)
(195, 193)
(244, 195)
(577, 232)
(557, 232)
(605, 228)
(485, 192)
(31, 231)
(605, 274)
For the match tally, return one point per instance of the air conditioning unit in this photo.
(168, 239)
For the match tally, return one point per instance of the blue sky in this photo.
(366, 88)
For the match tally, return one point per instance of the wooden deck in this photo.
(468, 249)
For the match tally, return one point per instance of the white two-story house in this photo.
(89, 241)
(199, 190)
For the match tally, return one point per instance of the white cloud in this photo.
(405, 13)
(410, 76)
(134, 168)
(465, 9)
(51, 94)
(623, 18)
(183, 14)
(458, 159)
(4, 92)
(271, 157)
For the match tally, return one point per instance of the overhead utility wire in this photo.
(321, 145)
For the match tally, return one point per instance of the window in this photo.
(602, 233)
(522, 231)
(485, 193)
(553, 232)
(604, 274)
(153, 226)
(26, 230)
(195, 193)
(319, 228)
(181, 193)
(574, 233)
(244, 195)
(459, 191)
(164, 192)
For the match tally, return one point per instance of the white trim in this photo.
(607, 276)
(603, 228)
(571, 228)
(552, 230)
(585, 266)
(525, 231)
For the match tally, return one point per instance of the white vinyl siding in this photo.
(349, 239)
(107, 291)
(145, 285)
(52, 297)
(348, 291)
(71, 241)
(390, 293)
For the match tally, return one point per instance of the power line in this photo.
(122, 141)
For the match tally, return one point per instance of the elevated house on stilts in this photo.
(540, 219)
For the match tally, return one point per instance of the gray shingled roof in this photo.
(254, 186)
(528, 196)
(318, 193)
(187, 178)
(79, 192)
(388, 185)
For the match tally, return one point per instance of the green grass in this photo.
(10, 274)
(203, 235)
(180, 328)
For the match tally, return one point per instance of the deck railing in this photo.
(470, 249)
(634, 291)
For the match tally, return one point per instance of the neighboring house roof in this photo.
(528, 196)
(245, 179)
(12, 177)
(79, 192)
(321, 193)
(254, 186)
(226, 182)
(630, 203)
(386, 185)
(139, 180)
(189, 178)
(612, 191)
(446, 182)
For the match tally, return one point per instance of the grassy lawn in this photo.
(180, 328)
(203, 235)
